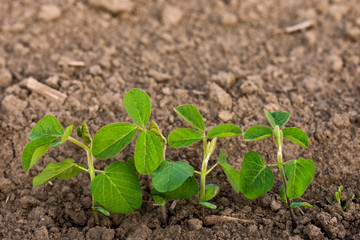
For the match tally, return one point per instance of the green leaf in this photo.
(67, 133)
(138, 106)
(184, 137)
(300, 172)
(211, 190)
(148, 152)
(277, 118)
(63, 170)
(338, 194)
(225, 130)
(257, 133)
(102, 210)
(297, 136)
(330, 200)
(171, 175)
(300, 204)
(347, 202)
(34, 150)
(118, 188)
(161, 201)
(208, 205)
(255, 178)
(131, 162)
(283, 194)
(112, 138)
(188, 189)
(232, 175)
(48, 126)
(83, 133)
(192, 115)
(156, 131)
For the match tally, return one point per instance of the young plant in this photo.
(184, 137)
(116, 188)
(344, 204)
(255, 176)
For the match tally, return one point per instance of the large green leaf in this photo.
(83, 133)
(112, 138)
(255, 178)
(300, 172)
(211, 190)
(188, 189)
(148, 152)
(300, 204)
(297, 136)
(156, 131)
(277, 118)
(184, 137)
(225, 130)
(171, 175)
(63, 170)
(118, 188)
(34, 150)
(232, 175)
(138, 106)
(257, 133)
(192, 115)
(48, 126)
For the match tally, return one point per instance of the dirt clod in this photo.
(5, 78)
(49, 12)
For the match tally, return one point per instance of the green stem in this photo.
(197, 172)
(79, 143)
(282, 172)
(203, 179)
(99, 171)
(208, 171)
(92, 176)
(84, 169)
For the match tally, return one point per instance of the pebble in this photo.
(224, 79)
(11, 103)
(5, 78)
(158, 76)
(171, 15)
(228, 19)
(114, 6)
(220, 96)
(275, 205)
(310, 38)
(311, 84)
(195, 224)
(225, 116)
(53, 81)
(49, 12)
(141, 233)
(248, 87)
(336, 63)
(95, 70)
(353, 33)
(313, 232)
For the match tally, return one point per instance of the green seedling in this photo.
(256, 178)
(184, 137)
(344, 204)
(117, 188)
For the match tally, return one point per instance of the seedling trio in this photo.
(117, 188)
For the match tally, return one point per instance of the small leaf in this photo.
(161, 201)
(138, 106)
(118, 188)
(330, 200)
(67, 133)
(191, 115)
(257, 133)
(48, 126)
(184, 137)
(232, 175)
(297, 136)
(156, 131)
(210, 147)
(347, 202)
(277, 118)
(225, 130)
(102, 210)
(83, 133)
(255, 178)
(34, 150)
(112, 138)
(188, 189)
(300, 172)
(208, 205)
(171, 175)
(300, 204)
(211, 190)
(283, 194)
(63, 170)
(338, 194)
(148, 152)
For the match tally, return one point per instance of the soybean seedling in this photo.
(116, 188)
(255, 176)
(184, 137)
(344, 203)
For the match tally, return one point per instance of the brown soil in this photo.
(222, 56)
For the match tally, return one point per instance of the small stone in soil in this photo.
(171, 15)
(5, 78)
(275, 205)
(220, 96)
(225, 116)
(195, 224)
(336, 63)
(353, 33)
(228, 19)
(49, 12)
(224, 79)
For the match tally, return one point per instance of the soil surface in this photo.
(226, 57)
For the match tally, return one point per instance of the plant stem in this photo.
(281, 168)
(84, 169)
(92, 176)
(79, 143)
(203, 180)
(163, 216)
